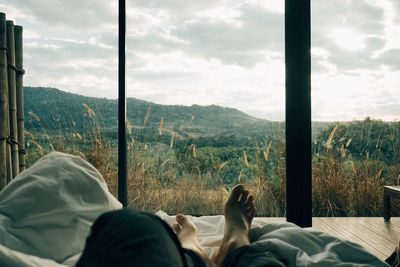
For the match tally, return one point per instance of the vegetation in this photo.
(185, 159)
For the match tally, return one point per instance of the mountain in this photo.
(53, 109)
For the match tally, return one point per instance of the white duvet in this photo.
(311, 248)
(298, 246)
(47, 211)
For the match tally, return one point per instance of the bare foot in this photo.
(187, 233)
(239, 211)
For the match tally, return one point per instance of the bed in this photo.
(47, 211)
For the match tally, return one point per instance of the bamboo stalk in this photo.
(8, 162)
(12, 98)
(18, 30)
(3, 102)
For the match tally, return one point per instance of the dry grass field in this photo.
(341, 186)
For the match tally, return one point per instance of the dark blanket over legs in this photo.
(133, 238)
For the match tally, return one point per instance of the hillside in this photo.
(213, 146)
(57, 110)
(53, 110)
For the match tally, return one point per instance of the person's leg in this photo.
(239, 211)
(249, 256)
(132, 238)
(188, 235)
(235, 249)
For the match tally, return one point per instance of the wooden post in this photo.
(12, 98)
(20, 94)
(3, 101)
(298, 112)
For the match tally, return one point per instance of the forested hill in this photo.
(57, 110)
(51, 110)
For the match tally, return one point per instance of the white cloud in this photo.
(357, 94)
(42, 46)
(348, 39)
(72, 14)
(272, 5)
(31, 35)
(226, 52)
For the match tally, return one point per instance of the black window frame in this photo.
(297, 110)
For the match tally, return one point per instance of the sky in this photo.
(223, 52)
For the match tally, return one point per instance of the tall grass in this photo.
(342, 186)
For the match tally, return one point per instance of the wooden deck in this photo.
(373, 233)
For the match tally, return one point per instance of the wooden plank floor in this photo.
(373, 233)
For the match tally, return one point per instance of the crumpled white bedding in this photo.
(311, 248)
(300, 247)
(47, 211)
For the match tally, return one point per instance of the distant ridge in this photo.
(59, 109)
(52, 111)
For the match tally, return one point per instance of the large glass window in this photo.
(205, 81)
(212, 73)
(356, 105)
(206, 96)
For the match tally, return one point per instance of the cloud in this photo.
(174, 10)
(244, 43)
(226, 52)
(390, 58)
(241, 37)
(73, 14)
(357, 94)
(359, 15)
(351, 31)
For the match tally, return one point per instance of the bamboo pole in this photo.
(3, 102)
(8, 153)
(20, 95)
(12, 98)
